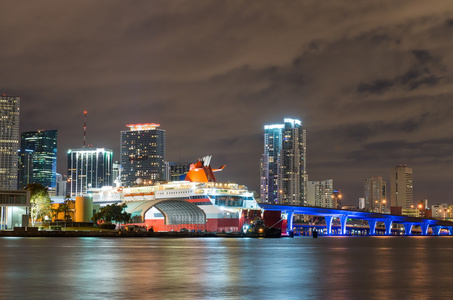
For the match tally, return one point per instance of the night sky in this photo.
(370, 80)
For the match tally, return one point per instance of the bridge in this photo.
(372, 219)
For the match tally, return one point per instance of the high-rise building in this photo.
(320, 193)
(283, 164)
(142, 153)
(401, 187)
(43, 143)
(88, 168)
(25, 168)
(176, 171)
(375, 192)
(9, 141)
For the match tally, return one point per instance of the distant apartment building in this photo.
(375, 192)
(401, 187)
(142, 153)
(321, 193)
(43, 143)
(9, 141)
(283, 164)
(440, 211)
(88, 168)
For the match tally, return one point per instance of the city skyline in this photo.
(369, 81)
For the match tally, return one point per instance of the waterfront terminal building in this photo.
(14, 209)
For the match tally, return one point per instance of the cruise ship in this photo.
(197, 203)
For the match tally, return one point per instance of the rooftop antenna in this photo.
(85, 130)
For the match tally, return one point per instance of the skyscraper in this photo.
(375, 192)
(9, 141)
(283, 164)
(401, 187)
(25, 168)
(89, 168)
(43, 143)
(142, 153)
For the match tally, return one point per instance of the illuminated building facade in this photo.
(25, 168)
(89, 168)
(401, 187)
(43, 143)
(319, 193)
(9, 141)
(440, 211)
(375, 192)
(142, 153)
(283, 164)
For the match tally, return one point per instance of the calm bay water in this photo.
(216, 268)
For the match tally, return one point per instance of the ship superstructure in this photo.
(225, 205)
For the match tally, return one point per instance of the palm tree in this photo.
(66, 210)
(56, 212)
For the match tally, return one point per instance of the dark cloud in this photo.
(376, 87)
(429, 152)
(427, 70)
(423, 56)
(370, 80)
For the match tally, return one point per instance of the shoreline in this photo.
(99, 233)
(34, 232)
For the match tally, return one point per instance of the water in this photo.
(216, 268)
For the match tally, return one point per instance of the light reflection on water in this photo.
(215, 268)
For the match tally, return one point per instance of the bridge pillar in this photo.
(388, 226)
(289, 220)
(436, 230)
(329, 224)
(343, 220)
(424, 227)
(408, 228)
(372, 224)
